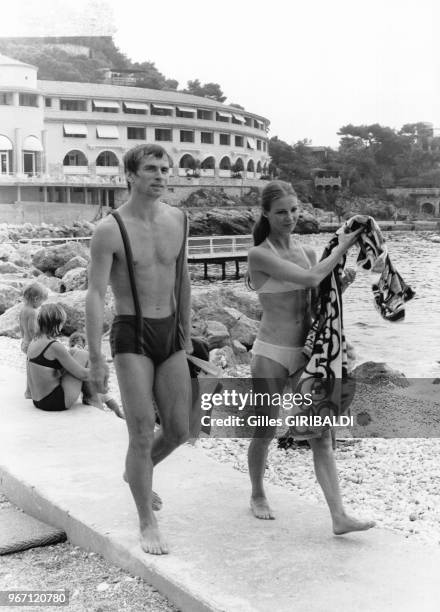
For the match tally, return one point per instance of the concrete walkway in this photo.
(66, 469)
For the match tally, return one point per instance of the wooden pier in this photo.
(219, 250)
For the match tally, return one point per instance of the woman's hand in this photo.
(348, 240)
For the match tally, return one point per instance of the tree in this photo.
(208, 90)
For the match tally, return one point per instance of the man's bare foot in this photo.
(261, 509)
(346, 524)
(27, 394)
(156, 501)
(152, 541)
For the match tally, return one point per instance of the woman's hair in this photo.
(273, 191)
(51, 319)
(34, 291)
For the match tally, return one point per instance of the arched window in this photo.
(259, 167)
(208, 163)
(75, 158)
(238, 165)
(250, 166)
(225, 163)
(107, 158)
(187, 162)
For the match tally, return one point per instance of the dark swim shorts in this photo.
(157, 340)
(54, 402)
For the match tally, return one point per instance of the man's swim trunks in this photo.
(157, 341)
(54, 402)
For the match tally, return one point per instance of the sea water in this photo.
(411, 345)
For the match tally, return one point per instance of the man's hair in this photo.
(51, 319)
(34, 291)
(134, 156)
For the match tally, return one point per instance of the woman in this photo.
(55, 375)
(283, 274)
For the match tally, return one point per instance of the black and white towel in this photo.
(325, 374)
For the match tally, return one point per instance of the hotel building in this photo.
(63, 142)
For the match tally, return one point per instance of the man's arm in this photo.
(185, 300)
(101, 253)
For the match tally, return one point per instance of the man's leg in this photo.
(135, 377)
(326, 475)
(172, 391)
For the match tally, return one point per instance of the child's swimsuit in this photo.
(54, 401)
(157, 339)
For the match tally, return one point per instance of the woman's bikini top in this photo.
(273, 285)
(47, 363)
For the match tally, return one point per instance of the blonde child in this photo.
(33, 296)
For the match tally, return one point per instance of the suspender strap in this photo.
(130, 266)
(179, 279)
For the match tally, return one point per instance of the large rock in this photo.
(74, 304)
(7, 252)
(9, 296)
(75, 262)
(48, 259)
(379, 374)
(245, 331)
(7, 267)
(50, 282)
(216, 334)
(9, 322)
(74, 279)
(307, 223)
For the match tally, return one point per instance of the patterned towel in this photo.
(325, 375)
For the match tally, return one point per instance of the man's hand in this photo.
(189, 349)
(99, 373)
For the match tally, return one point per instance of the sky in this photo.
(310, 67)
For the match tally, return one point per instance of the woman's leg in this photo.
(71, 385)
(327, 476)
(269, 376)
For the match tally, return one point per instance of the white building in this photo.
(63, 142)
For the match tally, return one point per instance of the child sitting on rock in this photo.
(33, 296)
(78, 340)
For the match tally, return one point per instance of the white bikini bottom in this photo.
(287, 356)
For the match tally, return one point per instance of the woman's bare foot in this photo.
(27, 394)
(156, 501)
(346, 524)
(261, 509)
(152, 541)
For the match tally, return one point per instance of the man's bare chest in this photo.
(151, 247)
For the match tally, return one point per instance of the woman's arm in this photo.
(263, 260)
(68, 362)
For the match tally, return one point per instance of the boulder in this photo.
(7, 267)
(223, 357)
(9, 296)
(7, 252)
(307, 223)
(9, 322)
(74, 279)
(73, 303)
(245, 331)
(216, 334)
(379, 374)
(75, 262)
(48, 259)
(51, 282)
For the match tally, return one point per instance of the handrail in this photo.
(196, 244)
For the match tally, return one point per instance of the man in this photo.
(149, 355)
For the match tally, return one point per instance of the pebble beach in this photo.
(395, 481)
